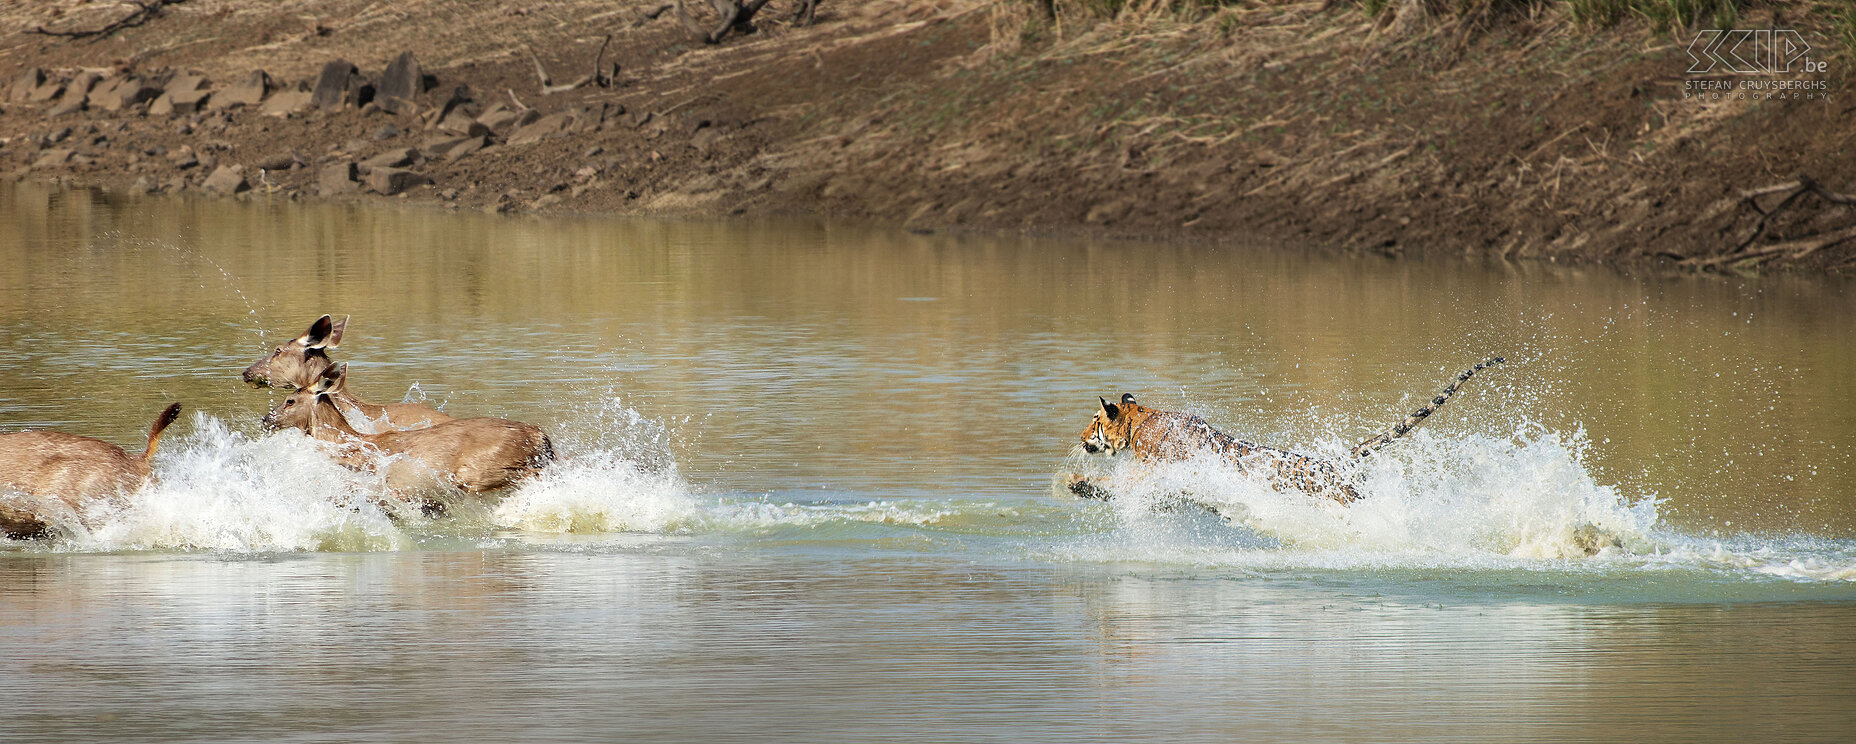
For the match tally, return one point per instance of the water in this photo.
(807, 490)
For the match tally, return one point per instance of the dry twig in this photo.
(1792, 249)
(144, 10)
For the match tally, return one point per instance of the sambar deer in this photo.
(73, 469)
(474, 454)
(299, 362)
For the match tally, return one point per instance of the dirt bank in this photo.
(1307, 125)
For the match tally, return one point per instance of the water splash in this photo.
(1525, 500)
(616, 473)
(216, 489)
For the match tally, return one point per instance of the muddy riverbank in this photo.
(1316, 126)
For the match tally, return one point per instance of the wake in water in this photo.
(1471, 501)
(1528, 495)
(218, 489)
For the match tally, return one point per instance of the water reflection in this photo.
(793, 356)
(736, 647)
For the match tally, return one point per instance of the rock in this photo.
(279, 162)
(333, 85)
(386, 133)
(25, 84)
(395, 158)
(552, 125)
(58, 136)
(337, 178)
(460, 123)
(452, 148)
(53, 158)
(390, 181)
(45, 92)
(402, 80)
(1108, 212)
(287, 102)
(124, 93)
(226, 179)
(74, 95)
(248, 92)
(143, 185)
(184, 95)
(705, 138)
(499, 119)
(184, 158)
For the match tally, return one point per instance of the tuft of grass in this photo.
(1843, 26)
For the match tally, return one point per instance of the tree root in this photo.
(144, 10)
(1749, 252)
(600, 78)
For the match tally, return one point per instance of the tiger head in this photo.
(1111, 430)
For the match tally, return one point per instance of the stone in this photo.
(499, 119)
(45, 92)
(184, 95)
(459, 123)
(402, 80)
(394, 106)
(395, 158)
(386, 133)
(25, 84)
(332, 86)
(226, 179)
(126, 92)
(75, 95)
(279, 162)
(452, 148)
(337, 178)
(53, 158)
(248, 92)
(552, 125)
(286, 103)
(705, 138)
(390, 181)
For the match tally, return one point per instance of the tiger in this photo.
(1156, 435)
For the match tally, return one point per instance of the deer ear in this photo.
(1127, 399)
(335, 333)
(1111, 408)
(318, 334)
(330, 379)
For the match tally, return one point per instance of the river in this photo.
(807, 489)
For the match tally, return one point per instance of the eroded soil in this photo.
(1287, 125)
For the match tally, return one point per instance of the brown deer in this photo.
(473, 454)
(75, 470)
(299, 362)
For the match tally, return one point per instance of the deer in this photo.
(474, 455)
(76, 470)
(299, 362)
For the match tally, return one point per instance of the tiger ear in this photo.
(1127, 399)
(1111, 408)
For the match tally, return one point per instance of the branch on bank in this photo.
(1752, 252)
(144, 10)
(598, 77)
(737, 17)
